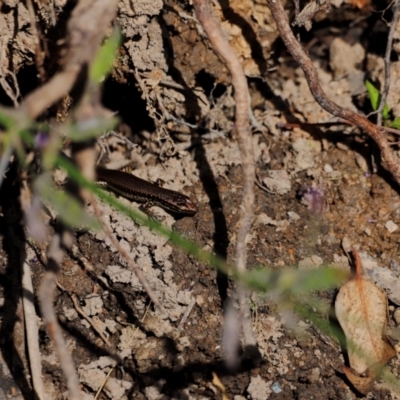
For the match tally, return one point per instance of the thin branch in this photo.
(128, 343)
(187, 312)
(39, 53)
(287, 125)
(99, 390)
(385, 92)
(222, 47)
(15, 94)
(79, 310)
(4, 161)
(48, 284)
(83, 40)
(86, 28)
(310, 72)
(32, 335)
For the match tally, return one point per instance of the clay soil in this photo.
(321, 189)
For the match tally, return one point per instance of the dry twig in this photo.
(32, 335)
(39, 53)
(13, 93)
(48, 284)
(79, 310)
(86, 28)
(288, 125)
(310, 72)
(385, 91)
(242, 121)
(127, 345)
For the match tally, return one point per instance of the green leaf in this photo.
(9, 118)
(69, 209)
(90, 128)
(50, 152)
(323, 278)
(296, 281)
(103, 62)
(385, 112)
(375, 98)
(374, 95)
(395, 123)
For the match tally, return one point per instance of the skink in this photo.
(137, 189)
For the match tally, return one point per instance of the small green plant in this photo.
(375, 99)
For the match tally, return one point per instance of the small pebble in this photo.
(394, 266)
(293, 216)
(361, 162)
(328, 168)
(276, 387)
(346, 244)
(317, 260)
(314, 375)
(391, 226)
(342, 146)
(277, 181)
(310, 262)
(396, 316)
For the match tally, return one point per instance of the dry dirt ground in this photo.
(321, 189)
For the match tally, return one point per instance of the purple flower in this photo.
(41, 140)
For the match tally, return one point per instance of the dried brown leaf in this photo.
(361, 309)
(360, 3)
(361, 383)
